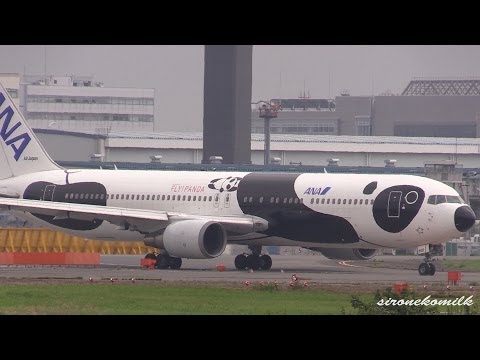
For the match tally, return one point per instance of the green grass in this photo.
(166, 299)
(452, 265)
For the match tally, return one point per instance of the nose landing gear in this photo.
(254, 260)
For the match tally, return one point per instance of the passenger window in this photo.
(163, 197)
(277, 200)
(272, 199)
(76, 196)
(102, 196)
(245, 199)
(143, 197)
(323, 201)
(290, 200)
(333, 201)
(295, 200)
(97, 195)
(189, 198)
(311, 201)
(261, 200)
(371, 202)
(66, 196)
(179, 198)
(339, 201)
(209, 198)
(153, 197)
(122, 197)
(128, 196)
(205, 198)
(81, 196)
(173, 197)
(349, 201)
(317, 200)
(328, 201)
(250, 199)
(361, 202)
(168, 197)
(355, 202)
(184, 197)
(344, 201)
(148, 197)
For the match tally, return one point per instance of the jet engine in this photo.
(347, 254)
(193, 239)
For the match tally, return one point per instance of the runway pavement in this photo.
(313, 268)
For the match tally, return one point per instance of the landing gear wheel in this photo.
(241, 262)
(175, 263)
(151, 256)
(163, 261)
(253, 262)
(431, 269)
(265, 262)
(424, 269)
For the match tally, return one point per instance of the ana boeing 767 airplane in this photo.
(190, 214)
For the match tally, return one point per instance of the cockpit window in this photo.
(440, 199)
(454, 199)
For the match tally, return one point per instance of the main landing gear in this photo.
(427, 267)
(165, 261)
(254, 260)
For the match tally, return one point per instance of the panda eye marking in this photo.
(228, 184)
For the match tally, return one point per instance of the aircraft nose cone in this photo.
(464, 218)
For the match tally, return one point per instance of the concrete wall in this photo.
(431, 111)
(68, 147)
(348, 107)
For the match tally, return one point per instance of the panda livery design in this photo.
(195, 214)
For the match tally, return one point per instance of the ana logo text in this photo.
(316, 191)
(17, 142)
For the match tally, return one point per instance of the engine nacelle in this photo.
(195, 239)
(348, 254)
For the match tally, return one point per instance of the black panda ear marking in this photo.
(370, 188)
(211, 186)
(233, 188)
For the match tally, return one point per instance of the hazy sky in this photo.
(176, 71)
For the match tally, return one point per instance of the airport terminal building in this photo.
(79, 103)
(426, 108)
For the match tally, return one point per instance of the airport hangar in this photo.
(286, 149)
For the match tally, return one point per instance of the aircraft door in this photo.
(216, 200)
(48, 192)
(394, 204)
(227, 200)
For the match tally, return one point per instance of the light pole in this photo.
(268, 111)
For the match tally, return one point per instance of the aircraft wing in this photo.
(143, 221)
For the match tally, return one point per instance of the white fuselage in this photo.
(335, 196)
